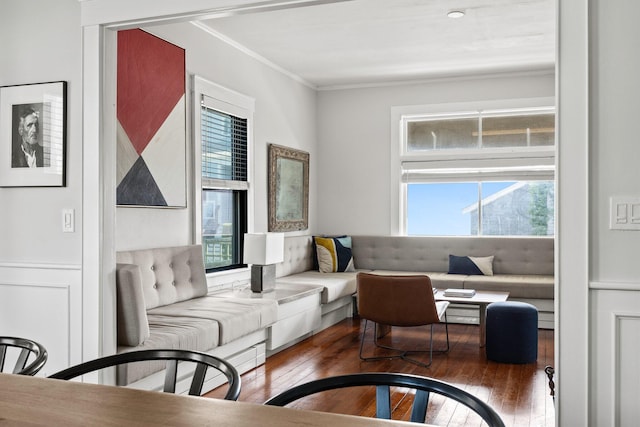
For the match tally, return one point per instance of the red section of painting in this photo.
(150, 82)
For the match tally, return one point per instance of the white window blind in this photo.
(224, 149)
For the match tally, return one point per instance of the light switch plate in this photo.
(624, 213)
(68, 220)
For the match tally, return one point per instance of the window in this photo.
(481, 131)
(222, 149)
(483, 172)
(505, 208)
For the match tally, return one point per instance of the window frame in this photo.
(478, 205)
(233, 103)
(445, 165)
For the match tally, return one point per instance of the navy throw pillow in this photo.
(478, 266)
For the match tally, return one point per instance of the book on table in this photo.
(465, 293)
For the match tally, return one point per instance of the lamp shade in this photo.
(263, 248)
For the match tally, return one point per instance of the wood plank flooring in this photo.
(519, 393)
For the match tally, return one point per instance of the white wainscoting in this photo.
(615, 345)
(43, 302)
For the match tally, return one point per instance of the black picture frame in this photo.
(33, 135)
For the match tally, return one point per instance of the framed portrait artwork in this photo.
(288, 189)
(33, 135)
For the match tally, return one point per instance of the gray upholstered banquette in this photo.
(522, 266)
(163, 302)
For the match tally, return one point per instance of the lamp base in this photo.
(263, 278)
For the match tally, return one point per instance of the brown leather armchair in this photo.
(399, 300)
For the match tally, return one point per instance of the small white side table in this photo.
(299, 311)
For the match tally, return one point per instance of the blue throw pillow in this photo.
(314, 251)
(470, 265)
(334, 254)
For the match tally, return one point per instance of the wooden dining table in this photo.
(35, 401)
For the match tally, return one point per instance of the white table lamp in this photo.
(263, 251)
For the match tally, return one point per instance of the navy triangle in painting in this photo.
(139, 188)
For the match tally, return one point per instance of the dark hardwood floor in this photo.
(519, 393)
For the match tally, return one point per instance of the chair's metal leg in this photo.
(364, 332)
(446, 328)
(403, 354)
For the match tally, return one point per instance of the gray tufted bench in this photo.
(523, 266)
(163, 302)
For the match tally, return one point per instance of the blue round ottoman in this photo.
(512, 332)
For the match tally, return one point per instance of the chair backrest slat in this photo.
(198, 379)
(383, 380)
(171, 376)
(383, 402)
(22, 360)
(172, 357)
(3, 352)
(24, 348)
(419, 409)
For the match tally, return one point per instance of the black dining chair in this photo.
(203, 361)
(25, 350)
(383, 381)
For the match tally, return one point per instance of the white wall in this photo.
(41, 42)
(40, 266)
(285, 114)
(354, 134)
(614, 171)
(615, 148)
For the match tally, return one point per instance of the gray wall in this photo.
(614, 270)
(354, 134)
(40, 42)
(615, 143)
(285, 114)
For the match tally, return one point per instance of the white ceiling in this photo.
(380, 41)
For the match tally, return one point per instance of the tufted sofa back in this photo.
(167, 275)
(298, 256)
(513, 255)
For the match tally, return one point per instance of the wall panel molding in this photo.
(45, 266)
(615, 344)
(626, 368)
(614, 286)
(44, 302)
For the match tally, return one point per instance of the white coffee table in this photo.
(481, 299)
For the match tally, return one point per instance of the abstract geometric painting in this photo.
(151, 134)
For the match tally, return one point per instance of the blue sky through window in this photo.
(436, 209)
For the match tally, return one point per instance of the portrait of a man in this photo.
(27, 150)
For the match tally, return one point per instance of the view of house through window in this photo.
(509, 208)
(486, 173)
(224, 188)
